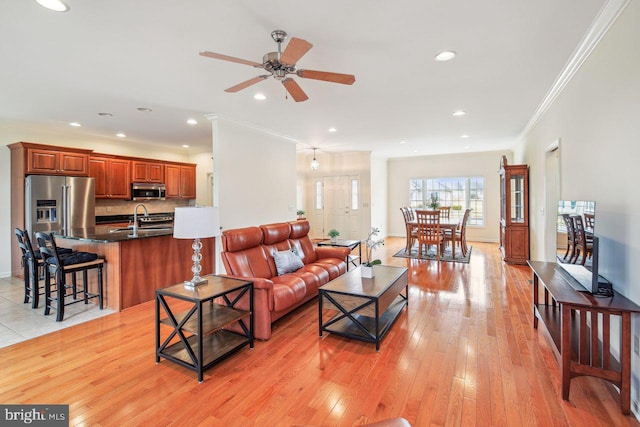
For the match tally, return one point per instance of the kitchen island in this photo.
(136, 266)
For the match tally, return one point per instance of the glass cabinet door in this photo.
(516, 187)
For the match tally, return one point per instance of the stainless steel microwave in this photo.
(148, 191)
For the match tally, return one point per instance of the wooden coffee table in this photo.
(366, 308)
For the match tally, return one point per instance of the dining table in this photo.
(445, 224)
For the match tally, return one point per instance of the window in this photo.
(355, 196)
(318, 194)
(459, 192)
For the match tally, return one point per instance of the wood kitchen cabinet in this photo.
(56, 162)
(112, 177)
(142, 171)
(514, 212)
(180, 180)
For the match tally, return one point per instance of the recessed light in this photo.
(185, 146)
(121, 135)
(145, 109)
(459, 113)
(446, 55)
(333, 130)
(105, 114)
(55, 5)
(192, 121)
(403, 142)
(75, 124)
(464, 136)
(259, 96)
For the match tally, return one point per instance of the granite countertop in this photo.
(106, 234)
(111, 219)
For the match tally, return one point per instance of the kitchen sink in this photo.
(141, 230)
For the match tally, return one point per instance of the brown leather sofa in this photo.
(248, 253)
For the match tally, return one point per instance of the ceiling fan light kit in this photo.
(314, 163)
(282, 63)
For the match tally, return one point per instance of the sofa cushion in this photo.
(287, 261)
(274, 233)
(241, 238)
(248, 263)
(305, 248)
(288, 290)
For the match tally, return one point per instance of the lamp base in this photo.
(193, 283)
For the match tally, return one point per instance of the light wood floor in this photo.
(464, 353)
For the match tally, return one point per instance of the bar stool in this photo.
(61, 265)
(32, 264)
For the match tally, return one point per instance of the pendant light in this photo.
(314, 163)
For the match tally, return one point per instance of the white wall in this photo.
(204, 178)
(379, 195)
(596, 120)
(401, 170)
(7, 238)
(254, 175)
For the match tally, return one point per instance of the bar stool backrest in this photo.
(25, 245)
(48, 249)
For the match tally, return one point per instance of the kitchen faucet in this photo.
(134, 233)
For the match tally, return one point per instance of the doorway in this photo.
(552, 195)
(337, 205)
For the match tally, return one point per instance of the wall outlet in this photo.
(636, 345)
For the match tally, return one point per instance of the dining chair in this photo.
(428, 231)
(410, 230)
(589, 221)
(59, 266)
(459, 235)
(445, 212)
(571, 238)
(583, 245)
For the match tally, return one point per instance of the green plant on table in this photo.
(333, 233)
(300, 212)
(433, 202)
(372, 243)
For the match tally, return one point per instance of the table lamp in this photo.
(196, 223)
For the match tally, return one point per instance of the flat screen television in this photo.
(581, 276)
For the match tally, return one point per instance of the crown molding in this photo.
(605, 19)
(216, 116)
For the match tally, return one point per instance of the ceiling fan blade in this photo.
(246, 84)
(230, 58)
(345, 79)
(294, 90)
(295, 50)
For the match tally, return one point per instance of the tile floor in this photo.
(19, 322)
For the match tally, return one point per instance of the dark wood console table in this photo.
(582, 346)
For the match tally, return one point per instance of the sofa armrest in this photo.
(258, 282)
(262, 293)
(332, 252)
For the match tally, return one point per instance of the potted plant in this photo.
(300, 214)
(371, 243)
(433, 202)
(333, 234)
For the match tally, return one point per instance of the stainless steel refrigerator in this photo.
(59, 204)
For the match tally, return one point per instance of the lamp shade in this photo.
(196, 222)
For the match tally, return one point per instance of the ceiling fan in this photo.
(280, 64)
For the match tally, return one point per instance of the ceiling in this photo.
(116, 56)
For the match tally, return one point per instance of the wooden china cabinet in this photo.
(514, 212)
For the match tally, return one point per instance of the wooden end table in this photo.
(578, 326)
(366, 308)
(351, 244)
(202, 330)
